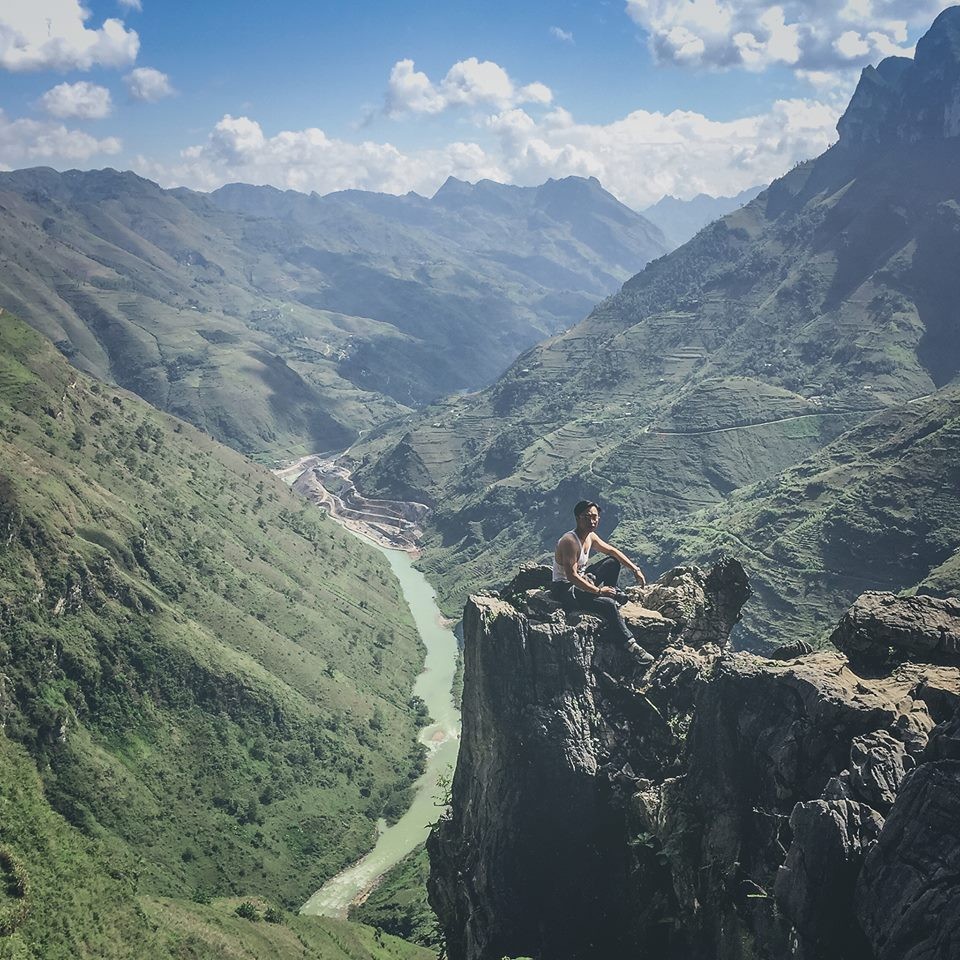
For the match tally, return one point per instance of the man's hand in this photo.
(607, 592)
(640, 578)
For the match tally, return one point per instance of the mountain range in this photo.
(283, 323)
(825, 301)
(205, 685)
(682, 219)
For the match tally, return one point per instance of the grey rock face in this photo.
(881, 625)
(908, 893)
(534, 860)
(815, 884)
(908, 100)
(716, 807)
(765, 738)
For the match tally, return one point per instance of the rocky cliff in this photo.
(717, 806)
(909, 100)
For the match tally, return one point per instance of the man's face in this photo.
(590, 518)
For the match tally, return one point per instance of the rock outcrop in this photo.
(718, 806)
(881, 627)
(908, 100)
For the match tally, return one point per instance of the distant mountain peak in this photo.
(904, 100)
(681, 219)
(453, 187)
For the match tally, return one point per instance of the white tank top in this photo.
(558, 573)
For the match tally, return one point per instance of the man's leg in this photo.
(609, 611)
(605, 572)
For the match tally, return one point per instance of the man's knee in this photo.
(607, 605)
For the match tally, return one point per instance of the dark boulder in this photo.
(881, 627)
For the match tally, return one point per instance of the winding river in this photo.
(441, 737)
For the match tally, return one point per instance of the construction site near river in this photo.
(394, 524)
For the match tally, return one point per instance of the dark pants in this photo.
(604, 573)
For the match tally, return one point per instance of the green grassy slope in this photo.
(170, 301)
(215, 932)
(824, 301)
(67, 895)
(210, 678)
(877, 509)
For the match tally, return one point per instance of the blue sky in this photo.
(651, 96)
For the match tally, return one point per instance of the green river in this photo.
(441, 737)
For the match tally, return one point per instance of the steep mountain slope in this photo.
(211, 682)
(879, 508)
(282, 323)
(825, 300)
(68, 895)
(682, 219)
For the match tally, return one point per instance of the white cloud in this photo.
(638, 158)
(25, 142)
(131, 5)
(559, 33)
(52, 35)
(851, 46)
(237, 149)
(85, 101)
(469, 83)
(812, 35)
(648, 154)
(148, 85)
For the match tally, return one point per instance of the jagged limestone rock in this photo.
(909, 100)
(556, 737)
(719, 806)
(881, 626)
(532, 576)
(908, 894)
(815, 884)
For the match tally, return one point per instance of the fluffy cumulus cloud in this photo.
(148, 85)
(639, 158)
(25, 142)
(648, 154)
(815, 36)
(85, 101)
(470, 83)
(54, 35)
(238, 149)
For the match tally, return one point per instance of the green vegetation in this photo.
(79, 899)
(216, 932)
(398, 904)
(211, 682)
(456, 688)
(282, 323)
(876, 509)
(826, 300)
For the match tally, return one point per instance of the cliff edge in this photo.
(718, 805)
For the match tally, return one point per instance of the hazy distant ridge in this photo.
(282, 322)
(682, 219)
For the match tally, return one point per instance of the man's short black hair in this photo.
(583, 506)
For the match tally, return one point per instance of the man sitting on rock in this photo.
(594, 590)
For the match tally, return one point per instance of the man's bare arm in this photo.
(625, 561)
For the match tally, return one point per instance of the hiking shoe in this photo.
(621, 598)
(640, 655)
